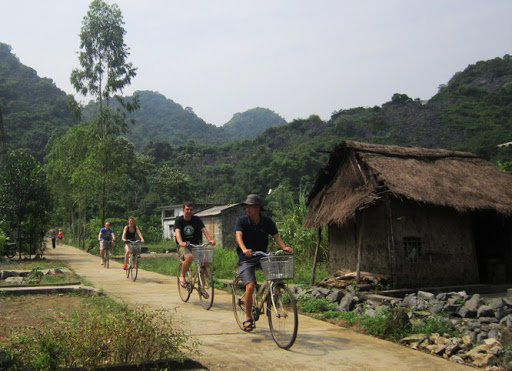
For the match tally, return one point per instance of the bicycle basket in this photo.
(202, 256)
(277, 267)
(135, 247)
(107, 244)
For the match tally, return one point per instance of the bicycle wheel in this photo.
(238, 301)
(129, 267)
(135, 266)
(206, 282)
(282, 316)
(184, 291)
(10, 253)
(106, 258)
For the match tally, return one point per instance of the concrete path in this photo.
(319, 345)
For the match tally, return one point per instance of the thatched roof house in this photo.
(388, 202)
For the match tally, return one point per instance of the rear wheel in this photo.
(238, 301)
(206, 282)
(135, 266)
(282, 316)
(184, 291)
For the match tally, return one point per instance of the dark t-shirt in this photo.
(255, 236)
(190, 230)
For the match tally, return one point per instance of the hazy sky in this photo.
(294, 57)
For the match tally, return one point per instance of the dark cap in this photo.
(253, 199)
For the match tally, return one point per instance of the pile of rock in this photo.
(23, 277)
(484, 326)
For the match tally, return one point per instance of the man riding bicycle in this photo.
(252, 231)
(106, 234)
(188, 229)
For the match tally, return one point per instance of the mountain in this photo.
(251, 123)
(33, 107)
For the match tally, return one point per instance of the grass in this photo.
(37, 276)
(100, 332)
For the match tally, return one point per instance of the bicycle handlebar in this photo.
(279, 252)
(200, 246)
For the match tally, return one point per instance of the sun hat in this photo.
(253, 199)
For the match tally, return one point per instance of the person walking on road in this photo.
(252, 231)
(130, 233)
(53, 235)
(188, 229)
(107, 239)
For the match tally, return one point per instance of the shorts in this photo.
(108, 245)
(182, 251)
(247, 269)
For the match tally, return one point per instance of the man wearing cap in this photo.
(252, 231)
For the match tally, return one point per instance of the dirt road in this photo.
(319, 345)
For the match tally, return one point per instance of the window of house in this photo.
(412, 248)
(169, 213)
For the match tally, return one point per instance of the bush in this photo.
(309, 304)
(98, 336)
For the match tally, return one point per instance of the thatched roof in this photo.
(358, 174)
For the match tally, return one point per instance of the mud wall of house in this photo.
(228, 227)
(446, 254)
(432, 246)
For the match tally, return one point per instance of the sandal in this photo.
(183, 282)
(248, 325)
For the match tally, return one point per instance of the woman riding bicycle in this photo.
(130, 233)
(252, 231)
(188, 228)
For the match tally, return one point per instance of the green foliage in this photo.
(25, 200)
(309, 304)
(505, 166)
(434, 325)
(103, 333)
(252, 123)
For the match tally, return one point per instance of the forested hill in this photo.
(32, 107)
(161, 119)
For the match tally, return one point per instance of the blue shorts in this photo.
(247, 269)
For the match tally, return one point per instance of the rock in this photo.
(15, 280)
(485, 311)
(442, 296)
(474, 303)
(410, 301)
(507, 321)
(370, 312)
(457, 359)
(466, 312)
(487, 320)
(335, 296)
(425, 295)
(480, 356)
(347, 303)
(320, 292)
(415, 338)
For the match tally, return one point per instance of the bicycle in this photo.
(10, 249)
(200, 274)
(133, 259)
(107, 247)
(273, 298)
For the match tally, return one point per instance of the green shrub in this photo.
(309, 304)
(103, 334)
(435, 324)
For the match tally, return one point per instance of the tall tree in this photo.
(105, 71)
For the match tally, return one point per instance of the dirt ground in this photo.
(29, 312)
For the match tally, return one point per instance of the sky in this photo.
(295, 57)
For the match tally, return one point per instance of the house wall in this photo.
(445, 252)
(222, 227)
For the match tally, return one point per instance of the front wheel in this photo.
(238, 301)
(282, 316)
(129, 267)
(135, 266)
(106, 258)
(206, 289)
(184, 291)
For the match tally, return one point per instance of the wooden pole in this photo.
(315, 259)
(360, 249)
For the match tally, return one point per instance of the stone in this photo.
(347, 303)
(15, 280)
(425, 295)
(415, 338)
(442, 296)
(410, 301)
(485, 311)
(507, 321)
(487, 320)
(474, 303)
(466, 312)
(457, 359)
(320, 292)
(335, 296)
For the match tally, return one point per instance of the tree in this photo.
(104, 72)
(25, 199)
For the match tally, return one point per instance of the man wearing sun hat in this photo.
(252, 231)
